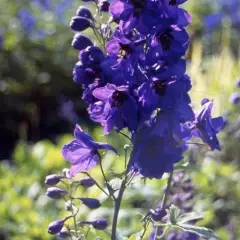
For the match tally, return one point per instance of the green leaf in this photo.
(189, 217)
(173, 213)
(201, 231)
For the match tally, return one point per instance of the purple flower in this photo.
(82, 152)
(55, 192)
(103, 5)
(99, 224)
(207, 127)
(53, 179)
(84, 12)
(86, 182)
(170, 43)
(55, 227)
(158, 146)
(80, 24)
(81, 42)
(157, 214)
(91, 203)
(164, 93)
(64, 233)
(118, 107)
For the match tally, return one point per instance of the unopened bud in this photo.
(64, 233)
(55, 192)
(84, 12)
(157, 214)
(55, 227)
(52, 179)
(91, 203)
(100, 224)
(86, 182)
(79, 24)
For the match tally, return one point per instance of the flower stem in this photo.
(165, 197)
(116, 209)
(158, 234)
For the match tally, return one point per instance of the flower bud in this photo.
(79, 24)
(157, 214)
(100, 224)
(81, 42)
(55, 227)
(91, 203)
(64, 233)
(52, 179)
(103, 5)
(55, 192)
(86, 182)
(84, 12)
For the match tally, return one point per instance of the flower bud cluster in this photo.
(66, 192)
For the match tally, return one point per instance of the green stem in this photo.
(158, 234)
(165, 197)
(116, 209)
(72, 211)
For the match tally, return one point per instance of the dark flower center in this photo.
(172, 2)
(125, 49)
(166, 40)
(118, 98)
(160, 87)
(138, 6)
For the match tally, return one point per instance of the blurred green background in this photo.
(40, 104)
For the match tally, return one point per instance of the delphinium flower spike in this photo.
(134, 77)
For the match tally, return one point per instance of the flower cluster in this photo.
(135, 79)
(139, 81)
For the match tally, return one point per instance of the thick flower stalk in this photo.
(134, 77)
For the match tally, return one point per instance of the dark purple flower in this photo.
(55, 192)
(99, 224)
(53, 179)
(81, 42)
(64, 233)
(235, 98)
(86, 182)
(82, 152)
(158, 214)
(55, 227)
(163, 93)
(170, 43)
(118, 106)
(91, 203)
(80, 24)
(84, 12)
(142, 15)
(91, 57)
(103, 5)
(159, 146)
(207, 127)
